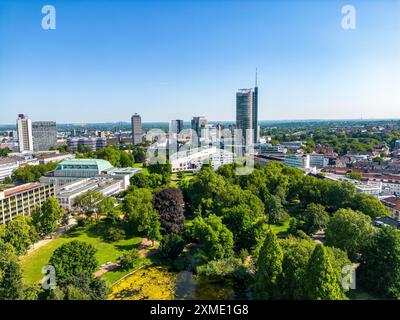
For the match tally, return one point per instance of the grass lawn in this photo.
(280, 230)
(33, 263)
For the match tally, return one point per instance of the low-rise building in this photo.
(318, 160)
(301, 161)
(55, 157)
(107, 186)
(93, 143)
(21, 200)
(192, 160)
(7, 167)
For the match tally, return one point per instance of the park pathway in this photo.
(59, 231)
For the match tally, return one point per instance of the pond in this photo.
(158, 283)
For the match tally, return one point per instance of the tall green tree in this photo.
(315, 218)
(20, 233)
(215, 237)
(138, 209)
(320, 279)
(46, 217)
(269, 268)
(379, 270)
(11, 284)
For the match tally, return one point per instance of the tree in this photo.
(350, 231)
(20, 233)
(89, 202)
(169, 204)
(73, 258)
(171, 246)
(215, 237)
(138, 209)
(126, 159)
(315, 218)
(164, 169)
(31, 173)
(269, 268)
(247, 227)
(369, 205)
(80, 287)
(46, 217)
(141, 180)
(354, 175)
(153, 228)
(129, 259)
(5, 151)
(320, 279)
(11, 284)
(379, 270)
(295, 259)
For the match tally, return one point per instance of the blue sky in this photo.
(175, 59)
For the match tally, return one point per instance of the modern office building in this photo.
(301, 161)
(24, 130)
(44, 135)
(255, 113)
(244, 116)
(136, 122)
(197, 125)
(318, 161)
(21, 200)
(93, 143)
(247, 114)
(176, 126)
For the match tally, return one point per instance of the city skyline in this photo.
(89, 72)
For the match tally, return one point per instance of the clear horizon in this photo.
(174, 60)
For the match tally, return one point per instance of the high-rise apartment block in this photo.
(25, 137)
(136, 122)
(44, 135)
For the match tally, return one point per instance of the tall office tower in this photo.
(136, 121)
(255, 113)
(198, 123)
(24, 129)
(176, 126)
(44, 135)
(244, 115)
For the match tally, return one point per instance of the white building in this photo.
(374, 188)
(301, 161)
(106, 186)
(192, 160)
(7, 167)
(318, 160)
(25, 137)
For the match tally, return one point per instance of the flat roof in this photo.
(21, 188)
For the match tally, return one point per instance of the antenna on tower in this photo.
(256, 77)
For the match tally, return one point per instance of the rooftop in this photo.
(21, 188)
(98, 164)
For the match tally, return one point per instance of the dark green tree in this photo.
(320, 280)
(269, 268)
